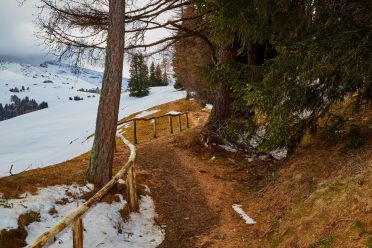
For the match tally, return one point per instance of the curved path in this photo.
(192, 200)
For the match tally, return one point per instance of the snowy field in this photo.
(109, 230)
(58, 133)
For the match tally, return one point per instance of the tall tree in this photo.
(190, 55)
(138, 82)
(158, 75)
(152, 78)
(100, 166)
(165, 65)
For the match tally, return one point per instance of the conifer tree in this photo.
(158, 75)
(164, 76)
(138, 82)
(152, 77)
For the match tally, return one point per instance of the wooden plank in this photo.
(132, 190)
(78, 212)
(154, 128)
(187, 120)
(77, 233)
(179, 123)
(147, 119)
(170, 124)
(135, 131)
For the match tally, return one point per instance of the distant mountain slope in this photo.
(51, 81)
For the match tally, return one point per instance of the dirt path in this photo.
(192, 199)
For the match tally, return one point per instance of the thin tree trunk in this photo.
(100, 166)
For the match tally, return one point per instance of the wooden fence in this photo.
(170, 116)
(76, 217)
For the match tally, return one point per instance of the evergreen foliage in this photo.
(155, 75)
(294, 60)
(158, 75)
(19, 107)
(138, 83)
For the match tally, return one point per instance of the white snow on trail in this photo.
(59, 132)
(248, 220)
(173, 112)
(102, 223)
(146, 113)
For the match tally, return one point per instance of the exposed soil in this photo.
(193, 195)
(319, 197)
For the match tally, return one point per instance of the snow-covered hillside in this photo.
(60, 132)
(52, 82)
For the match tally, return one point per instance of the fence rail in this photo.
(76, 217)
(154, 118)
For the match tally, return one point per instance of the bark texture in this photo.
(100, 166)
(222, 99)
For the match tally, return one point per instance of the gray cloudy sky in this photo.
(17, 29)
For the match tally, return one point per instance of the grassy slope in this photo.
(74, 170)
(319, 197)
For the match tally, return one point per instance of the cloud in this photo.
(17, 29)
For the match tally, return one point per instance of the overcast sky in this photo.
(17, 30)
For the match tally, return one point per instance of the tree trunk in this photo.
(221, 111)
(100, 166)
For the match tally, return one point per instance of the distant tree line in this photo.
(19, 107)
(96, 90)
(143, 77)
(16, 90)
(76, 98)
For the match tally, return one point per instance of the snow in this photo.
(173, 112)
(279, 153)
(60, 132)
(248, 220)
(208, 107)
(228, 148)
(146, 113)
(139, 231)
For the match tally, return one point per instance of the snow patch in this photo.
(208, 107)
(248, 220)
(228, 148)
(146, 113)
(173, 112)
(279, 153)
(103, 224)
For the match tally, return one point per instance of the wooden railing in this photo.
(171, 129)
(76, 217)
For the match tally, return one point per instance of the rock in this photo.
(220, 235)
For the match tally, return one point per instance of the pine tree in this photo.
(164, 76)
(152, 77)
(138, 82)
(284, 74)
(158, 75)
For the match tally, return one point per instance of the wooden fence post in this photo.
(187, 120)
(170, 124)
(132, 189)
(179, 123)
(77, 233)
(155, 127)
(135, 131)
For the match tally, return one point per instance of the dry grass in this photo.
(145, 131)
(74, 170)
